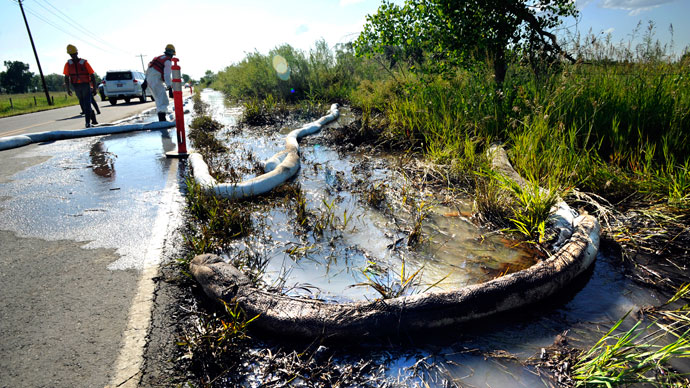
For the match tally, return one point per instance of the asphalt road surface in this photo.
(83, 228)
(68, 117)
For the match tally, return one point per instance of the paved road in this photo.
(68, 118)
(82, 229)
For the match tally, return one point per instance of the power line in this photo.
(79, 26)
(91, 40)
(40, 17)
(70, 22)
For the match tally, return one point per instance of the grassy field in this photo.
(16, 104)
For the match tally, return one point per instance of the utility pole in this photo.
(43, 80)
(141, 56)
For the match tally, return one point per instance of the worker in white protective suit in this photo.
(159, 78)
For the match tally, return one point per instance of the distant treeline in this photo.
(18, 79)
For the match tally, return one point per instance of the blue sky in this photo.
(211, 34)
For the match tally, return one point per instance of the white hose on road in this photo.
(14, 141)
(279, 168)
(39, 137)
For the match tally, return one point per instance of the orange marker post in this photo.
(179, 113)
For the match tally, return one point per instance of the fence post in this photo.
(11, 104)
(179, 113)
(35, 103)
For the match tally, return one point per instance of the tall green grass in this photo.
(33, 102)
(612, 130)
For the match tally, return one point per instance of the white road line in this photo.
(127, 372)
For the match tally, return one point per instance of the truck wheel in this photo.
(113, 101)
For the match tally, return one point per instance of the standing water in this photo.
(369, 228)
(346, 241)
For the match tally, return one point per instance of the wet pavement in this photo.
(68, 118)
(80, 221)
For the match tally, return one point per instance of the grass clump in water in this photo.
(391, 286)
(255, 112)
(202, 132)
(531, 207)
(215, 342)
(388, 287)
(200, 107)
(631, 358)
(218, 220)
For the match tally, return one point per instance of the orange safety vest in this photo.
(78, 73)
(158, 63)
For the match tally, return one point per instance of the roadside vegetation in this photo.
(604, 127)
(16, 104)
(614, 124)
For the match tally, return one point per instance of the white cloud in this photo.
(634, 7)
(609, 30)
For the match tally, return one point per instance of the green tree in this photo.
(17, 78)
(435, 36)
(54, 82)
(208, 78)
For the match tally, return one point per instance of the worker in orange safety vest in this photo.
(80, 75)
(160, 71)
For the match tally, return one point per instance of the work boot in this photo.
(93, 118)
(161, 116)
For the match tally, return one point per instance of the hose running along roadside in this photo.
(279, 168)
(39, 137)
(310, 319)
